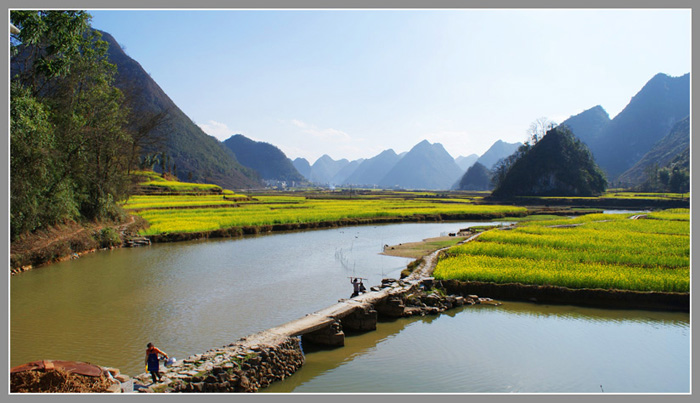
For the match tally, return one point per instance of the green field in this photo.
(608, 251)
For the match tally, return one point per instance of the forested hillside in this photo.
(189, 153)
(266, 159)
(650, 115)
(557, 165)
(477, 177)
(82, 116)
(666, 167)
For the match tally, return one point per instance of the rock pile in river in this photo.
(429, 299)
(238, 367)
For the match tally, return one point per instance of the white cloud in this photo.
(219, 130)
(328, 134)
(299, 124)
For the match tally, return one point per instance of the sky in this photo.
(353, 83)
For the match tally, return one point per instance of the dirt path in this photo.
(56, 235)
(430, 261)
(57, 243)
(417, 250)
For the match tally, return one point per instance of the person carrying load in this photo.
(152, 361)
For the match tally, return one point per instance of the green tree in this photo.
(59, 65)
(679, 181)
(47, 45)
(31, 167)
(664, 175)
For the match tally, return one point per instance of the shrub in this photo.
(109, 237)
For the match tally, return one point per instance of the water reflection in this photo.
(597, 315)
(516, 347)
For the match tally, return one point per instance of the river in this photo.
(190, 297)
(513, 348)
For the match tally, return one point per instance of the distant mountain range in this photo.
(325, 168)
(341, 177)
(631, 141)
(619, 143)
(465, 162)
(588, 124)
(303, 166)
(372, 170)
(426, 166)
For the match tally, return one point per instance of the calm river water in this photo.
(190, 297)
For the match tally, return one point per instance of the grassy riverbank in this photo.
(605, 251)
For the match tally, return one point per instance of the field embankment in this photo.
(547, 294)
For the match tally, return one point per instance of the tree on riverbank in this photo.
(68, 145)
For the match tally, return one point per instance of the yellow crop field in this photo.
(609, 251)
(177, 214)
(157, 201)
(154, 179)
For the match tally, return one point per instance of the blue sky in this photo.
(352, 83)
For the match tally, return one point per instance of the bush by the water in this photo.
(109, 237)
